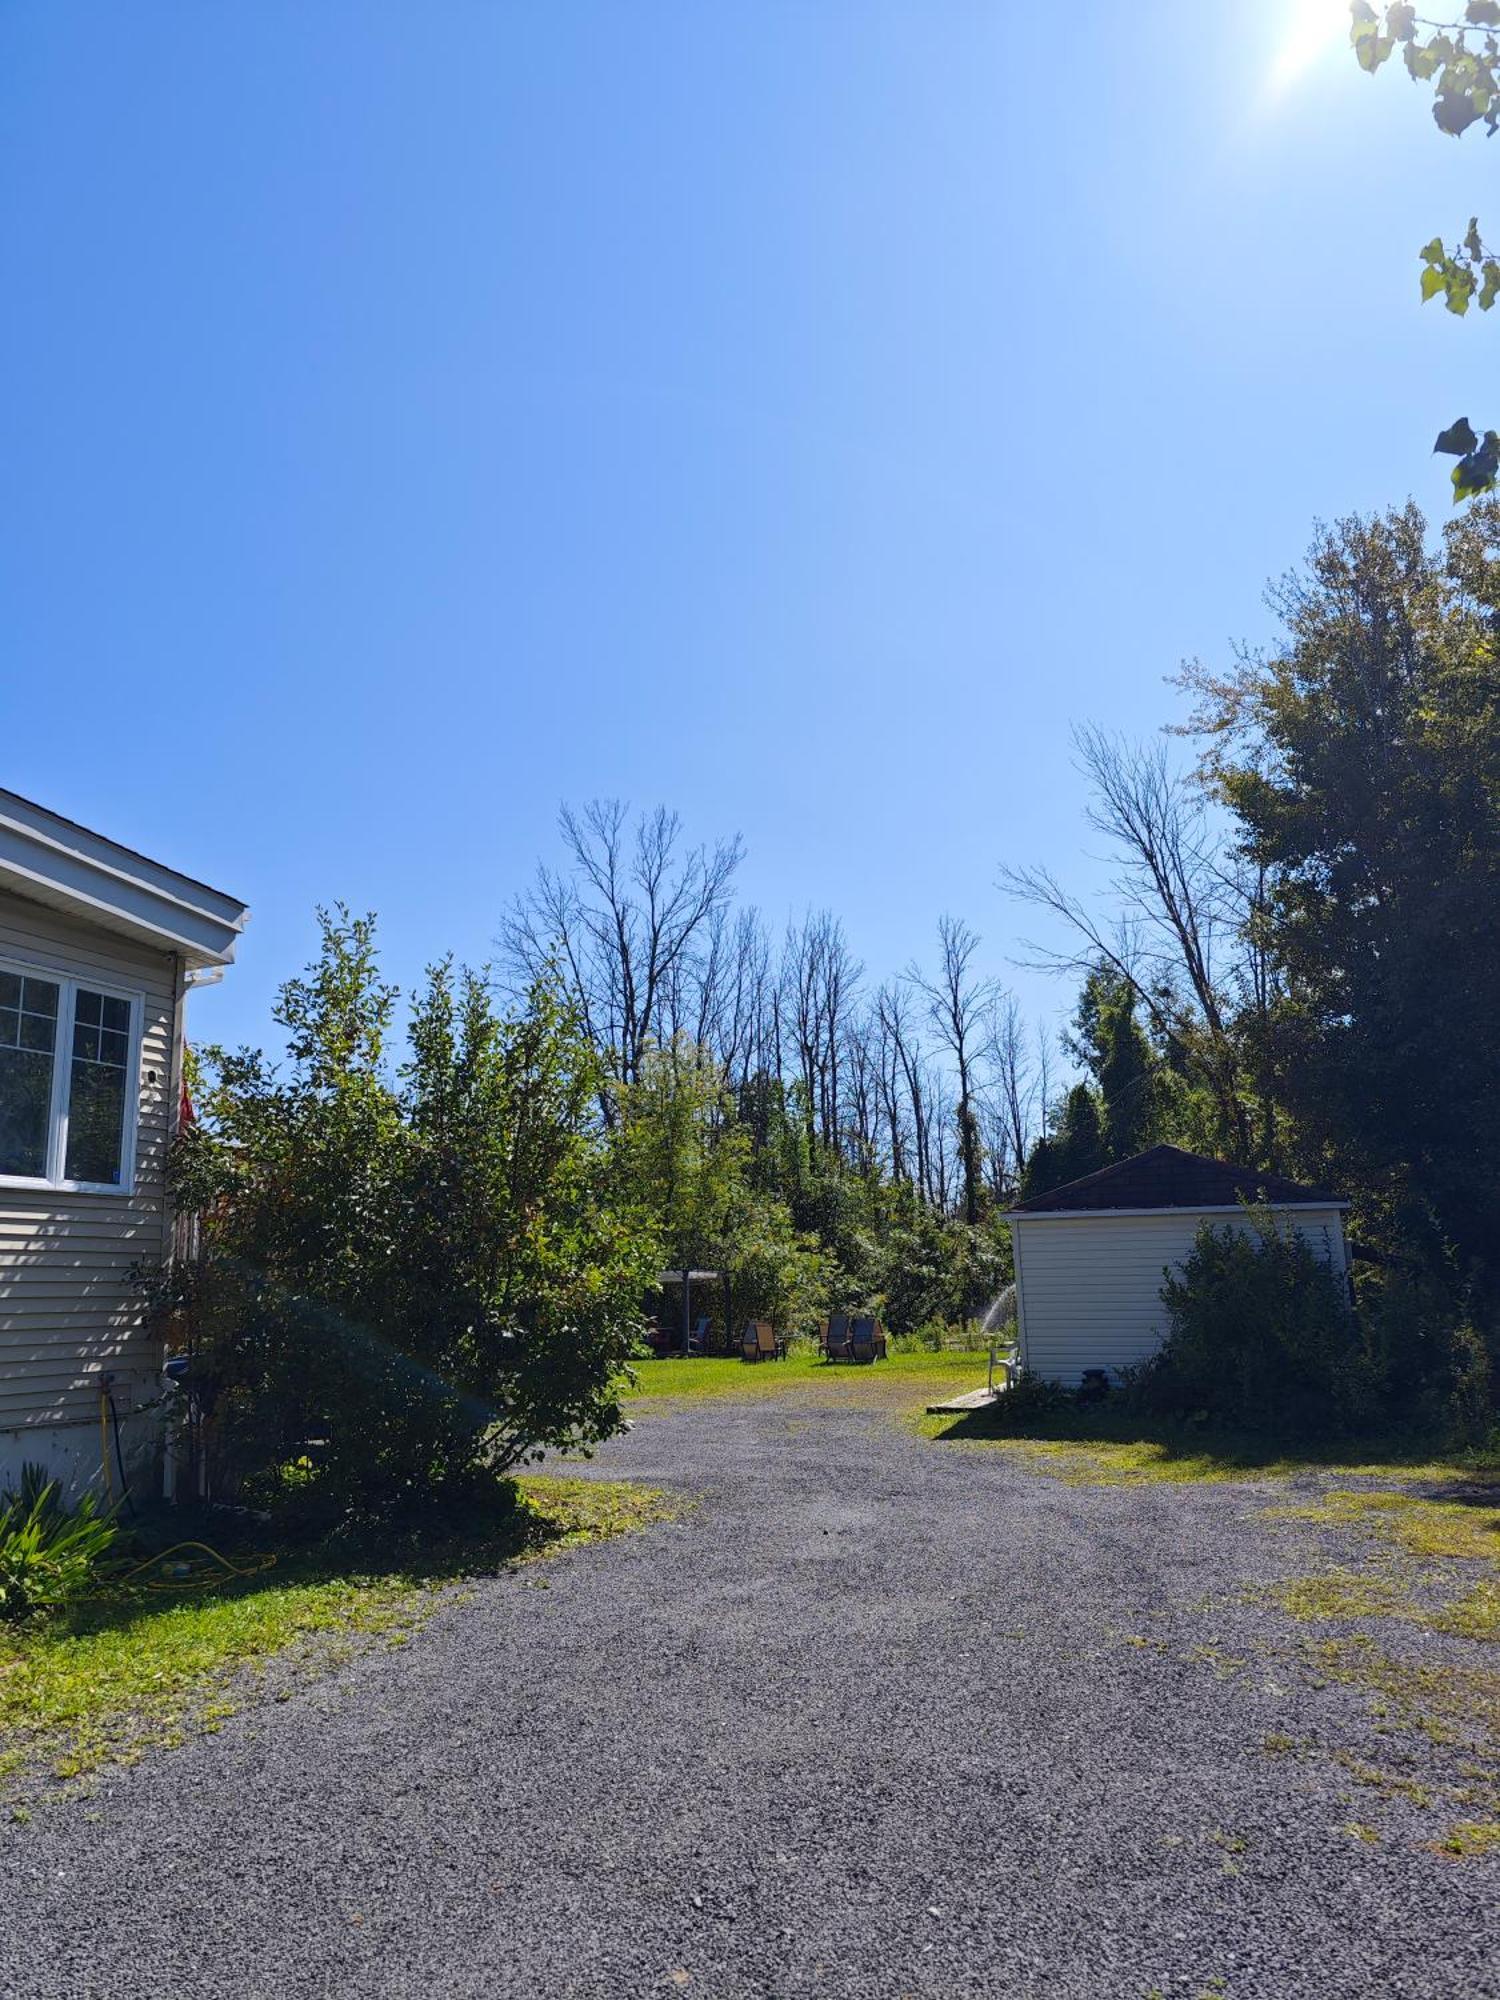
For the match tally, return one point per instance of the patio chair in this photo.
(770, 1344)
(836, 1338)
(866, 1340)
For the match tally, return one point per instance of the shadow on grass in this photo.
(230, 1555)
(1108, 1433)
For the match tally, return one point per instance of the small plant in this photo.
(1031, 1399)
(49, 1553)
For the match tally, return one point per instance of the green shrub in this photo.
(1030, 1399)
(1260, 1336)
(1469, 1411)
(933, 1336)
(49, 1554)
(414, 1279)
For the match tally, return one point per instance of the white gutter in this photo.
(68, 867)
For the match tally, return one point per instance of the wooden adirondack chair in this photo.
(866, 1340)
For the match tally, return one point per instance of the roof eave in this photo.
(83, 875)
(1168, 1208)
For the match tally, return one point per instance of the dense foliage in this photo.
(410, 1282)
(1362, 766)
(1260, 1336)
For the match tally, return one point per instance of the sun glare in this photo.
(1311, 27)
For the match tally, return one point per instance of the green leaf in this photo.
(1483, 13)
(1401, 21)
(1422, 62)
(1472, 241)
(1490, 290)
(1458, 439)
(1371, 49)
(1478, 472)
(1433, 252)
(1460, 287)
(1433, 281)
(1453, 112)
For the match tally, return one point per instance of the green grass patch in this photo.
(1471, 1837)
(137, 1668)
(902, 1381)
(1105, 1444)
(1438, 1544)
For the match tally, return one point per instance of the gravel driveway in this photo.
(876, 1717)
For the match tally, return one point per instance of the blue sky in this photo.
(799, 411)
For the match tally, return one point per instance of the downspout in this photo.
(168, 1221)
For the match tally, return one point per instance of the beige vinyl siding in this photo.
(68, 1308)
(1089, 1285)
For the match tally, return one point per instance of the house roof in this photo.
(1168, 1177)
(95, 880)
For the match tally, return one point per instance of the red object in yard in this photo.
(186, 1115)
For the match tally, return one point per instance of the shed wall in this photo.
(1089, 1286)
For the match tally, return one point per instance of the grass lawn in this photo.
(138, 1668)
(900, 1381)
(1105, 1445)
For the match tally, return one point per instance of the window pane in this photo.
(37, 1032)
(97, 1094)
(39, 996)
(10, 990)
(10, 1028)
(25, 1110)
(115, 1014)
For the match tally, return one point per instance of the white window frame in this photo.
(67, 983)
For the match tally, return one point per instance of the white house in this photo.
(1091, 1256)
(98, 947)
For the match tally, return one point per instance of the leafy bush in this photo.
(1030, 1399)
(1260, 1336)
(933, 1336)
(49, 1554)
(413, 1281)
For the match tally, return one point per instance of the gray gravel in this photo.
(867, 1721)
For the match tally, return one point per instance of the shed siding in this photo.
(68, 1308)
(1089, 1286)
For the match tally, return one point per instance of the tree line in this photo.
(437, 1254)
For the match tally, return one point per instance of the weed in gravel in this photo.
(1469, 1838)
(1430, 1529)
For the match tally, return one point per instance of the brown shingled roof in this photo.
(1167, 1177)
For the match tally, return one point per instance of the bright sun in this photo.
(1311, 26)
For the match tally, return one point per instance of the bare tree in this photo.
(1178, 936)
(621, 923)
(907, 1065)
(1013, 1093)
(957, 1003)
(819, 985)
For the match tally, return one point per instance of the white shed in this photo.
(1091, 1256)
